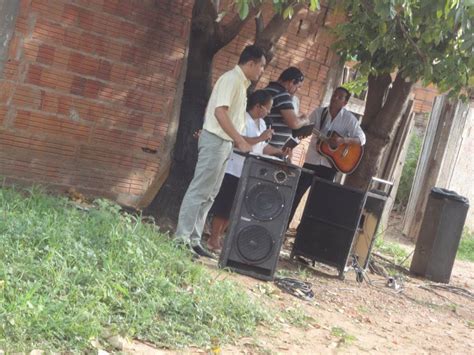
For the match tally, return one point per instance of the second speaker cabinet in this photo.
(329, 224)
(259, 217)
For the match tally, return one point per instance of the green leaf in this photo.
(288, 13)
(244, 9)
(314, 5)
(373, 46)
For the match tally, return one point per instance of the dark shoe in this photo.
(181, 244)
(200, 250)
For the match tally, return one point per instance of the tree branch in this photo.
(267, 37)
(259, 26)
(410, 40)
(395, 105)
(377, 88)
(226, 33)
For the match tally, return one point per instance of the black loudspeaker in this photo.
(439, 236)
(329, 223)
(259, 217)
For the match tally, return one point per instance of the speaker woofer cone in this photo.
(254, 244)
(264, 202)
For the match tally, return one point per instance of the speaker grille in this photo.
(254, 244)
(264, 202)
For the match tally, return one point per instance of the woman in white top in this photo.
(259, 104)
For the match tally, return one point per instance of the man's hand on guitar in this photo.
(336, 141)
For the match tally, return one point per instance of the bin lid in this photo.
(439, 192)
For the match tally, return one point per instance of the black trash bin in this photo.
(439, 236)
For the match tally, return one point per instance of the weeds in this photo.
(297, 316)
(466, 246)
(67, 277)
(301, 273)
(409, 168)
(344, 337)
(394, 250)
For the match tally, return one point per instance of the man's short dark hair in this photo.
(343, 89)
(251, 53)
(260, 97)
(291, 74)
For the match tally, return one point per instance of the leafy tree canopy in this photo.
(428, 40)
(285, 7)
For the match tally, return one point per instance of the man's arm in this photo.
(292, 121)
(356, 134)
(265, 136)
(221, 114)
(271, 150)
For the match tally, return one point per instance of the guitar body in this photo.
(345, 157)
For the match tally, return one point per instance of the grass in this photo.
(297, 316)
(399, 254)
(466, 246)
(344, 337)
(70, 276)
(300, 273)
(393, 250)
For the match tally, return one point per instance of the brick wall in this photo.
(88, 93)
(424, 98)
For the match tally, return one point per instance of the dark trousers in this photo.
(306, 180)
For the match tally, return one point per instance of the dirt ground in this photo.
(346, 316)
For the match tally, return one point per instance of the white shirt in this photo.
(253, 128)
(345, 124)
(230, 90)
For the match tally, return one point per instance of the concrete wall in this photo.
(462, 174)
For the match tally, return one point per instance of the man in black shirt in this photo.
(283, 118)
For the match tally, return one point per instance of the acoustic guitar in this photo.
(344, 157)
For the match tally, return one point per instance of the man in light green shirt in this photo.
(223, 122)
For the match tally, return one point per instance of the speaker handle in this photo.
(236, 151)
(385, 188)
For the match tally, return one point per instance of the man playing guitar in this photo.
(334, 118)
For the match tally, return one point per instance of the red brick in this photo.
(70, 15)
(78, 85)
(34, 74)
(27, 96)
(24, 7)
(45, 54)
(6, 91)
(14, 47)
(46, 31)
(104, 70)
(85, 19)
(93, 88)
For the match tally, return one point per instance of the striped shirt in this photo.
(345, 124)
(282, 100)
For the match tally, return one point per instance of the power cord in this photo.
(295, 287)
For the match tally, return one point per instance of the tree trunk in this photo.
(380, 125)
(197, 86)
